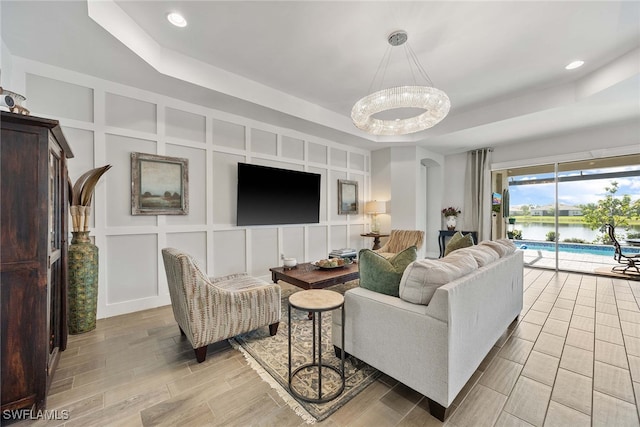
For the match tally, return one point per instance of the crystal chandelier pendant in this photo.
(434, 103)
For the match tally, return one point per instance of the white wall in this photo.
(6, 67)
(404, 182)
(601, 141)
(435, 189)
(410, 180)
(453, 187)
(104, 122)
(381, 184)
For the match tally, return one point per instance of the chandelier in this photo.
(434, 102)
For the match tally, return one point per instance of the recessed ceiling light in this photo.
(177, 19)
(574, 65)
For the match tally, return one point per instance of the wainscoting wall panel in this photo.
(293, 148)
(360, 179)
(230, 135)
(225, 192)
(229, 252)
(264, 142)
(130, 113)
(80, 109)
(324, 189)
(105, 121)
(83, 156)
(82, 150)
(356, 161)
(293, 242)
(338, 158)
(117, 180)
(355, 232)
(339, 237)
(262, 241)
(132, 262)
(286, 164)
(197, 186)
(316, 244)
(317, 153)
(184, 125)
(194, 243)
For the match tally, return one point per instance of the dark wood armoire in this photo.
(33, 256)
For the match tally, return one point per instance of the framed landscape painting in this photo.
(347, 197)
(159, 185)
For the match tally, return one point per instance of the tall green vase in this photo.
(83, 283)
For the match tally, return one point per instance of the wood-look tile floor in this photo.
(572, 359)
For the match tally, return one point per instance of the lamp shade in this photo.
(375, 207)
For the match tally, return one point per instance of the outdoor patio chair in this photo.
(629, 262)
(209, 310)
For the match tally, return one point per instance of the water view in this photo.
(537, 231)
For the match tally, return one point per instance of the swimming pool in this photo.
(579, 248)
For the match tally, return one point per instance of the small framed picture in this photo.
(347, 197)
(159, 185)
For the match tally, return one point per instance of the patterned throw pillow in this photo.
(383, 275)
(458, 241)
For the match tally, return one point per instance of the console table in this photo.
(376, 239)
(448, 233)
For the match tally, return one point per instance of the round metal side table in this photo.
(316, 302)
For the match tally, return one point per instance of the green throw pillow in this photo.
(458, 241)
(383, 275)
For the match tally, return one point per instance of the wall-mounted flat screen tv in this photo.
(268, 196)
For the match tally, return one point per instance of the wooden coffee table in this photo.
(308, 276)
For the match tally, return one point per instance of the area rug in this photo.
(269, 357)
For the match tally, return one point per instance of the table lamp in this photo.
(374, 208)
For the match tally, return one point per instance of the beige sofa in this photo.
(435, 347)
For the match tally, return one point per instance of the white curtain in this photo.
(477, 197)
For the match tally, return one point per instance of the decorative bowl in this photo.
(328, 268)
(329, 264)
(289, 262)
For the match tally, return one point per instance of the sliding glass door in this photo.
(558, 211)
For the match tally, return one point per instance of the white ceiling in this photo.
(303, 64)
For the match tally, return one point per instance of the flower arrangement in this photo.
(451, 211)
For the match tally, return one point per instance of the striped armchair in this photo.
(400, 240)
(209, 310)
